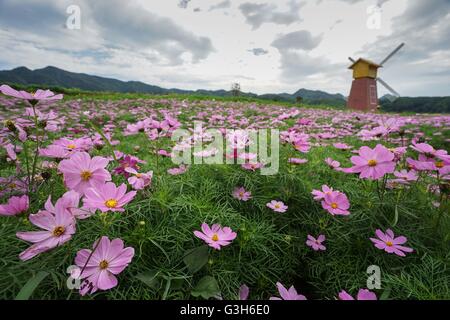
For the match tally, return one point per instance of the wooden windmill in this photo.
(364, 93)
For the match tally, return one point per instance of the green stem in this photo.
(36, 154)
(100, 132)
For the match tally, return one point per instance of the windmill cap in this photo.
(365, 61)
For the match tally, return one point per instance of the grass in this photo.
(270, 247)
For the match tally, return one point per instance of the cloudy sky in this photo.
(266, 46)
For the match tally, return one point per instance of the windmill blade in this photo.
(392, 54)
(351, 59)
(388, 87)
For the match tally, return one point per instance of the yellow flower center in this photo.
(241, 194)
(58, 231)
(103, 264)
(439, 164)
(71, 146)
(372, 163)
(86, 175)
(389, 243)
(334, 205)
(277, 206)
(215, 237)
(111, 203)
(139, 175)
(12, 185)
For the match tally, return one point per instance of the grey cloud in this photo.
(31, 16)
(108, 24)
(258, 51)
(135, 27)
(256, 14)
(296, 66)
(425, 28)
(295, 62)
(221, 5)
(183, 4)
(296, 40)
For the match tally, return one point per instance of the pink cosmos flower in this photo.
(81, 172)
(128, 162)
(277, 206)
(286, 294)
(70, 201)
(164, 153)
(373, 163)
(58, 229)
(178, 170)
(333, 164)
(390, 244)
(39, 95)
(300, 141)
(405, 177)
(138, 180)
(297, 161)
(216, 236)
(320, 195)
(341, 146)
(74, 145)
(99, 269)
(363, 294)
(108, 197)
(430, 152)
(53, 151)
(252, 166)
(398, 153)
(316, 244)
(336, 203)
(243, 292)
(15, 206)
(242, 194)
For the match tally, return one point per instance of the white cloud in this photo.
(158, 43)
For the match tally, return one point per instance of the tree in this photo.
(236, 89)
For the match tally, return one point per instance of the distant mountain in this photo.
(52, 76)
(315, 94)
(417, 104)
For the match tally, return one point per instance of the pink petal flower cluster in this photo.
(39, 95)
(138, 180)
(316, 244)
(108, 197)
(287, 294)
(244, 291)
(216, 236)
(128, 161)
(178, 170)
(363, 294)
(297, 161)
(373, 163)
(333, 164)
(320, 194)
(100, 267)
(15, 206)
(277, 206)
(241, 194)
(335, 202)
(391, 244)
(58, 226)
(81, 172)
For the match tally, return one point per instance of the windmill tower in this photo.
(364, 93)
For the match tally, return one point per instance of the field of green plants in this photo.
(93, 205)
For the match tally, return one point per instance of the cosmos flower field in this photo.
(92, 205)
